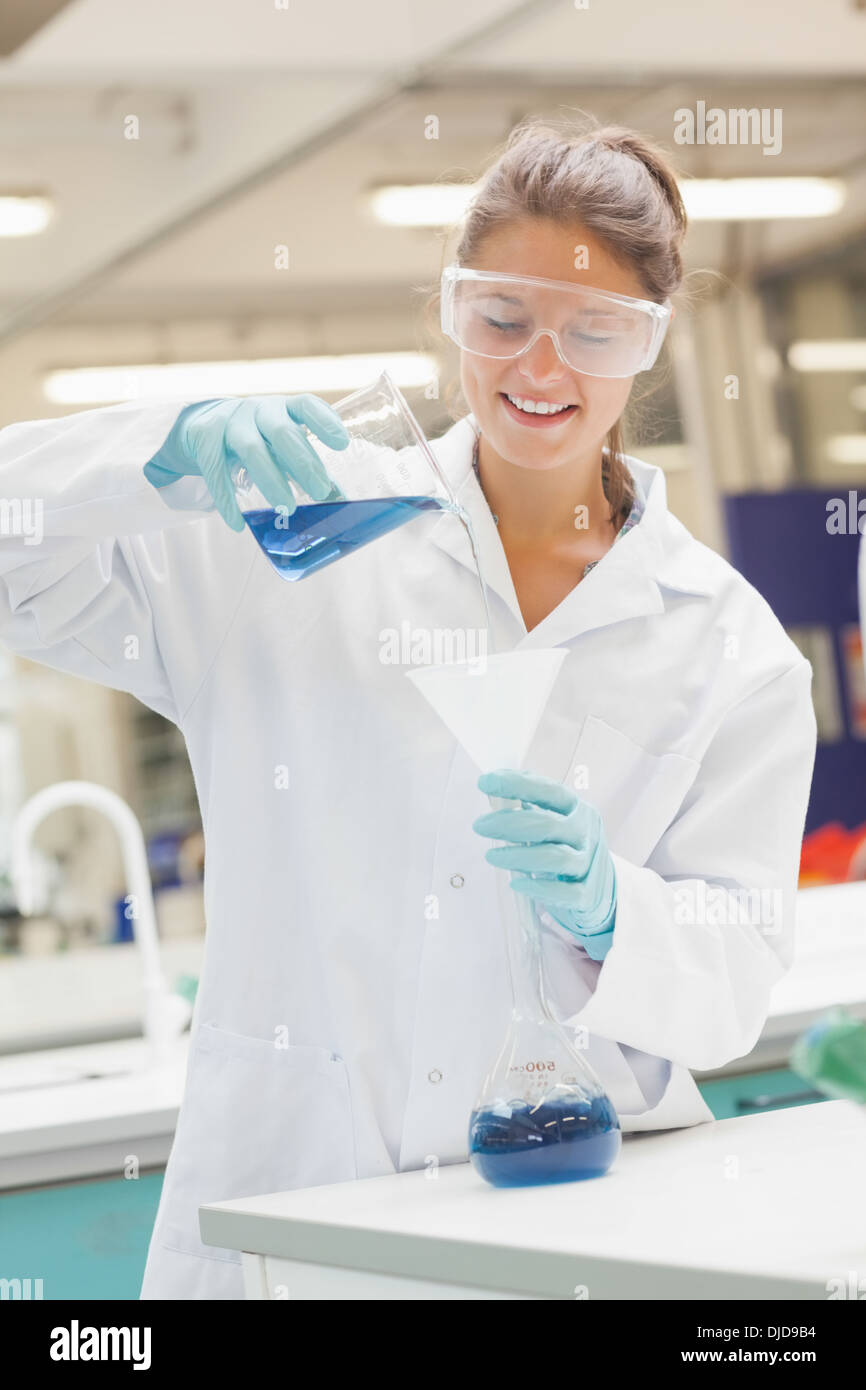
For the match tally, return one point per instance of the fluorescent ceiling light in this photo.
(421, 204)
(204, 380)
(710, 200)
(24, 214)
(830, 355)
(743, 200)
(846, 448)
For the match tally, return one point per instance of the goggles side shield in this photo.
(596, 332)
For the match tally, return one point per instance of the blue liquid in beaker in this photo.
(559, 1140)
(316, 535)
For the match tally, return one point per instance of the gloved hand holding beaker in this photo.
(265, 434)
(557, 853)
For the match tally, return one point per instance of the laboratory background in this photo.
(212, 197)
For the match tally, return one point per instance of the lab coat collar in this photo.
(656, 556)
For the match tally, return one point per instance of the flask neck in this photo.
(525, 963)
(523, 945)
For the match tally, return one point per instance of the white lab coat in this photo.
(352, 911)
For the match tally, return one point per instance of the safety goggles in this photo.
(594, 332)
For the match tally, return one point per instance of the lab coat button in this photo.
(457, 880)
(435, 1075)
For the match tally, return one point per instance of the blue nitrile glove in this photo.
(265, 434)
(558, 851)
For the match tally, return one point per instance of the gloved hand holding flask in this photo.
(557, 853)
(265, 434)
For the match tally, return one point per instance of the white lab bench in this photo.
(79, 1107)
(768, 1206)
(829, 968)
(75, 1111)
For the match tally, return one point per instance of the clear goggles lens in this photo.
(596, 333)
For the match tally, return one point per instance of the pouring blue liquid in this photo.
(317, 534)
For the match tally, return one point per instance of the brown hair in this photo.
(613, 181)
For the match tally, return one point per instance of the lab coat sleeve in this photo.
(706, 927)
(101, 574)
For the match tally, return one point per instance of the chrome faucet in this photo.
(165, 1014)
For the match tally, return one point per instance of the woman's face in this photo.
(543, 249)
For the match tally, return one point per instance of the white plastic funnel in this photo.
(492, 708)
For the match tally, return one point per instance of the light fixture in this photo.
(846, 448)
(421, 204)
(706, 200)
(203, 380)
(24, 214)
(828, 355)
(744, 200)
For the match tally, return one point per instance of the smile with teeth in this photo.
(530, 407)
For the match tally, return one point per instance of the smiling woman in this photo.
(355, 984)
(560, 295)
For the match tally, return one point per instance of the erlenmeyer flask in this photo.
(386, 476)
(543, 1115)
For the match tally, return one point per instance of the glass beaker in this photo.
(385, 477)
(543, 1115)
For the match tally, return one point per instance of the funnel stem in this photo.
(523, 943)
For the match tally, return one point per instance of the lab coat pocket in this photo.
(255, 1118)
(637, 792)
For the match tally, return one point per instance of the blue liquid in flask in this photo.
(317, 534)
(521, 1144)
